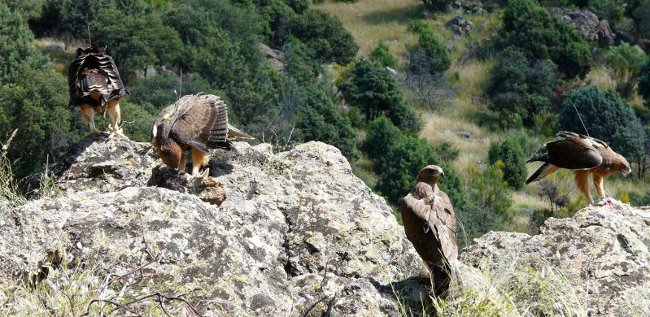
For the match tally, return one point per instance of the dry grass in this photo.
(473, 149)
(374, 21)
(600, 77)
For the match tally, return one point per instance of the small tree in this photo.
(512, 156)
(371, 88)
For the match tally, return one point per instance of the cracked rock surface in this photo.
(601, 254)
(297, 232)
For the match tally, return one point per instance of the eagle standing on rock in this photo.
(195, 122)
(96, 86)
(582, 154)
(430, 224)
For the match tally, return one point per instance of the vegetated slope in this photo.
(462, 115)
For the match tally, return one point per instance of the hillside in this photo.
(295, 233)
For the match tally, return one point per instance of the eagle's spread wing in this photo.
(201, 121)
(90, 71)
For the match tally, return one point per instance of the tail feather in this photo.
(541, 172)
(236, 134)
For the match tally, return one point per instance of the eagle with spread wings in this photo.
(582, 154)
(95, 85)
(430, 224)
(197, 123)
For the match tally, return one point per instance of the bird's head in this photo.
(621, 165)
(168, 150)
(430, 174)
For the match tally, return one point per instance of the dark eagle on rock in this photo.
(197, 123)
(95, 85)
(430, 224)
(582, 154)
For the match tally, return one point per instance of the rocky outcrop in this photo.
(297, 234)
(459, 25)
(289, 234)
(587, 23)
(595, 263)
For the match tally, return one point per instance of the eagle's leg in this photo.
(598, 183)
(582, 182)
(199, 159)
(181, 162)
(113, 109)
(88, 115)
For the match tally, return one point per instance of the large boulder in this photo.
(297, 234)
(587, 23)
(593, 264)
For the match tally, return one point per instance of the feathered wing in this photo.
(201, 121)
(445, 226)
(92, 70)
(569, 150)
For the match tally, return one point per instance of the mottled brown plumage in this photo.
(430, 224)
(583, 155)
(197, 123)
(95, 86)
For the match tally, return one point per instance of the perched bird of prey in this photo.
(96, 86)
(197, 123)
(430, 224)
(583, 155)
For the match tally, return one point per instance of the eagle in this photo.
(430, 224)
(197, 123)
(582, 154)
(95, 85)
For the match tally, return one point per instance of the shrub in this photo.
(325, 36)
(382, 56)
(436, 5)
(372, 89)
(520, 89)
(429, 55)
(626, 61)
(320, 120)
(514, 166)
(529, 27)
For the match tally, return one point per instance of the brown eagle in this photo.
(96, 86)
(197, 123)
(430, 224)
(582, 154)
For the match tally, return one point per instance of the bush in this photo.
(520, 89)
(372, 89)
(607, 117)
(325, 36)
(514, 163)
(382, 56)
(626, 61)
(429, 55)
(320, 120)
(529, 27)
